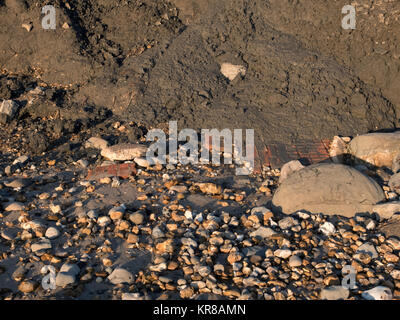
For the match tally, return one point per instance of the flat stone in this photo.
(52, 233)
(377, 149)
(289, 168)
(209, 188)
(263, 232)
(124, 151)
(387, 210)
(283, 253)
(334, 293)
(18, 183)
(328, 189)
(369, 249)
(142, 162)
(96, 143)
(179, 189)
(14, 206)
(21, 160)
(120, 275)
(42, 245)
(378, 293)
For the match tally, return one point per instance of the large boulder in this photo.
(377, 149)
(329, 189)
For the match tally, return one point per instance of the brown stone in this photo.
(132, 238)
(234, 257)
(390, 257)
(27, 286)
(186, 293)
(165, 247)
(116, 215)
(209, 188)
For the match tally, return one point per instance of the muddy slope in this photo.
(150, 62)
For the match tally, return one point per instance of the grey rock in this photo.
(378, 293)
(64, 279)
(120, 275)
(41, 246)
(329, 189)
(368, 248)
(334, 293)
(19, 273)
(157, 233)
(70, 268)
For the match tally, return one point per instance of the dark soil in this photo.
(144, 63)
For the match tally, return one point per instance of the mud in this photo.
(144, 63)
